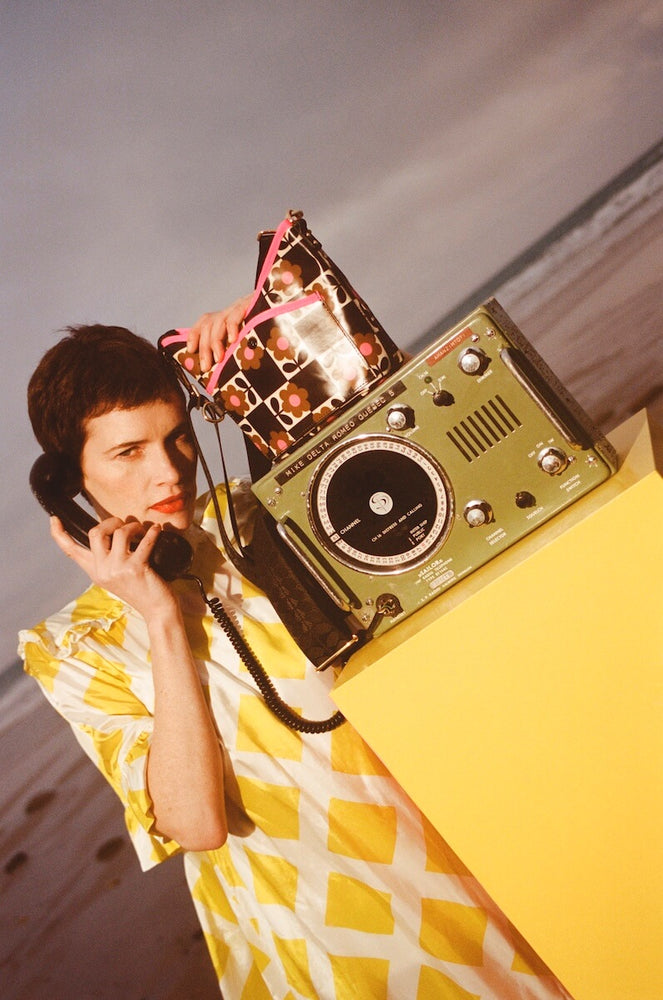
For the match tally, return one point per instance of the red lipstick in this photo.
(171, 505)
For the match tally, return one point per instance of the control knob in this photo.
(473, 361)
(478, 512)
(525, 499)
(400, 417)
(552, 461)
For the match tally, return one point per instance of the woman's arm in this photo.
(185, 764)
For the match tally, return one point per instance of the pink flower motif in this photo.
(294, 400)
(286, 277)
(279, 345)
(249, 354)
(279, 441)
(189, 361)
(234, 400)
(368, 347)
(257, 441)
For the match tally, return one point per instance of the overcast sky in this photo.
(145, 144)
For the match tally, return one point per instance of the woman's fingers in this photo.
(235, 317)
(112, 543)
(214, 332)
(118, 561)
(118, 542)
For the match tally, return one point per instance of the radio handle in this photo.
(344, 603)
(525, 374)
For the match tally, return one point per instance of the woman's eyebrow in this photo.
(125, 444)
(182, 428)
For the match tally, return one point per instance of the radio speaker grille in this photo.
(484, 428)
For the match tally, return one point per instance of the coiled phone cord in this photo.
(272, 699)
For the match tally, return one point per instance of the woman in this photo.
(313, 874)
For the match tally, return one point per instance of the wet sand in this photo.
(78, 918)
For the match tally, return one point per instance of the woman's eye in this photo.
(185, 439)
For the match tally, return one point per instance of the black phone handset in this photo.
(55, 484)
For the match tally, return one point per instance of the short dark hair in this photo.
(93, 370)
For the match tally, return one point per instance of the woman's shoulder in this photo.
(239, 491)
(239, 499)
(94, 612)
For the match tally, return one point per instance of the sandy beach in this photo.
(78, 919)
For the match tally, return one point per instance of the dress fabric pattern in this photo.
(338, 888)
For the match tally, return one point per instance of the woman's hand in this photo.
(118, 560)
(213, 333)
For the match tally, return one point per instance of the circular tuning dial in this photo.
(380, 504)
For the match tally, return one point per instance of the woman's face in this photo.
(141, 463)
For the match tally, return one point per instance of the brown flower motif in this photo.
(279, 345)
(234, 399)
(368, 346)
(323, 292)
(323, 413)
(294, 400)
(279, 441)
(190, 362)
(256, 440)
(249, 353)
(286, 277)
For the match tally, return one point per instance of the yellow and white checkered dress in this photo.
(341, 890)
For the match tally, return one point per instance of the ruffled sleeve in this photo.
(92, 663)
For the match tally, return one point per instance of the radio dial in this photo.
(473, 361)
(553, 461)
(478, 512)
(443, 398)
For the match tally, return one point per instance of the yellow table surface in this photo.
(522, 711)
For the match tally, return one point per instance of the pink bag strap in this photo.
(268, 262)
(262, 317)
(181, 334)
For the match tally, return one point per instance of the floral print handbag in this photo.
(309, 345)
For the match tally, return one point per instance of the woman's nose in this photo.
(176, 464)
(167, 467)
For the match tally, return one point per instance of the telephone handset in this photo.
(55, 484)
